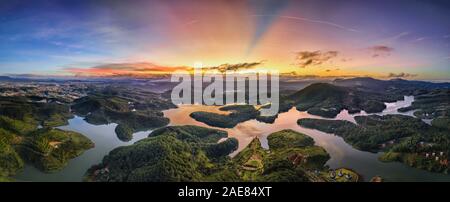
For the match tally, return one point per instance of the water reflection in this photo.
(391, 108)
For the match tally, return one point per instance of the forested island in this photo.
(328, 100)
(238, 114)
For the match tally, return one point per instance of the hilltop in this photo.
(328, 100)
(388, 86)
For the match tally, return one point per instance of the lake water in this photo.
(342, 154)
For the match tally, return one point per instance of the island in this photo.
(238, 114)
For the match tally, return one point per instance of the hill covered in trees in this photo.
(431, 104)
(401, 138)
(292, 157)
(36, 113)
(21, 140)
(133, 111)
(328, 100)
(238, 114)
(192, 153)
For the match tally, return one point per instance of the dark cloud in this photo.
(296, 76)
(304, 59)
(235, 67)
(401, 75)
(380, 51)
(313, 76)
(289, 74)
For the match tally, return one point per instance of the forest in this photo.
(400, 138)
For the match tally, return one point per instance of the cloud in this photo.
(420, 39)
(146, 69)
(304, 59)
(330, 70)
(380, 51)
(327, 23)
(293, 77)
(235, 67)
(401, 75)
(142, 69)
(289, 74)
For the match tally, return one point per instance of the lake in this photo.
(341, 153)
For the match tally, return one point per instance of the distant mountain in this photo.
(371, 84)
(319, 92)
(7, 78)
(361, 82)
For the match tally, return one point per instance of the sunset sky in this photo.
(385, 39)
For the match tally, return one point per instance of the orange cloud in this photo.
(143, 69)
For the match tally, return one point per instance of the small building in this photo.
(340, 174)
